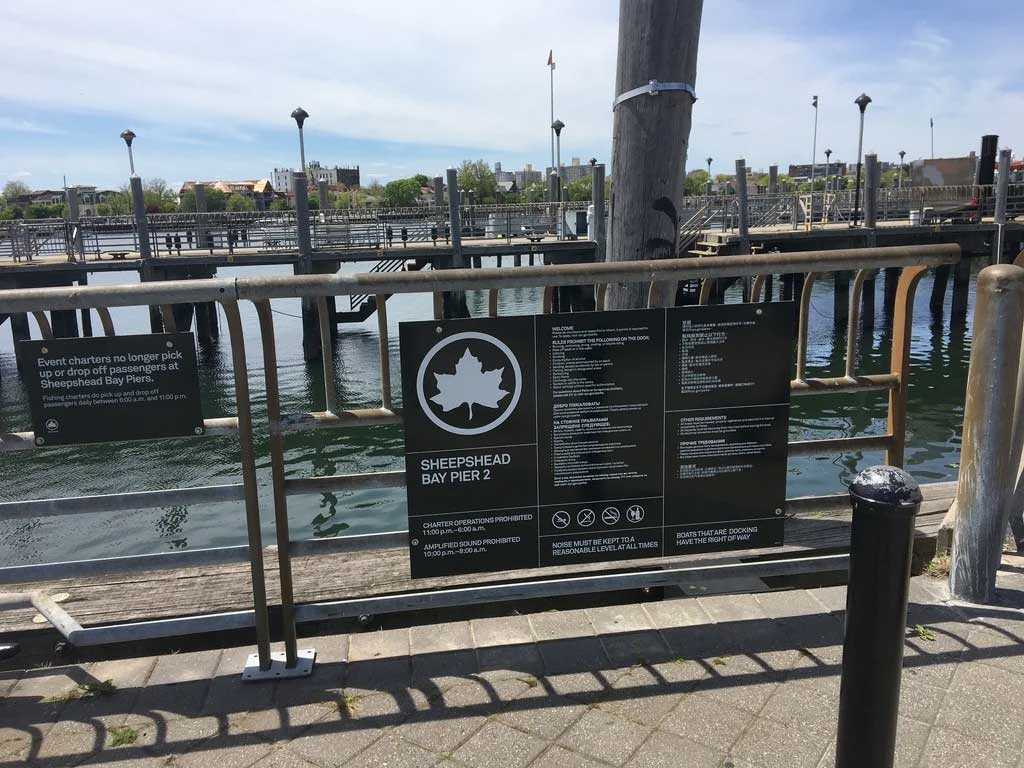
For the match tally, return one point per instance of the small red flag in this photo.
(551, 58)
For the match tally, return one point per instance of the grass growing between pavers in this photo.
(922, 632)
(123, 735)
(347, 704)
(938, 566)
(84, 691)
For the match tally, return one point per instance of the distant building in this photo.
(260, 191)
(88, 198)
(803, 171)
(335, 176)
(528, 176)
(574, 171)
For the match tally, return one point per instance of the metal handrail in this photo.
(262, 290)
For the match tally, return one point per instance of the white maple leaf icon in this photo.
(470, 384)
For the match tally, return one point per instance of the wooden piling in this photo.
(941, 280)
(657, 42)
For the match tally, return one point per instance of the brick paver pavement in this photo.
(730, 681)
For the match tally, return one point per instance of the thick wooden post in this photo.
(657, 42)
(438, 192)
(870, 190)
(987, 466)
(1002, 189)
(773, 179)
(454, 302)
(321, 195)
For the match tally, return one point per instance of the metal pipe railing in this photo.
(260, 291)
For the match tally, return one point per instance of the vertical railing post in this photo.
(987, 466)
(899, 360)
(885, 502)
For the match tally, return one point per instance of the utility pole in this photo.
(654, 83)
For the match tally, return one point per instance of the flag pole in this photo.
(551, 125)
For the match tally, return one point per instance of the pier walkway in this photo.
(724, 680)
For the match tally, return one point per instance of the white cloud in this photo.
(439, 80)
(27, 126)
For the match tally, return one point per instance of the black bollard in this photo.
(885, 502)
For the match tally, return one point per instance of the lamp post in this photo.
(129, 136)
(709, 175)
(862, 102)
(931, 125)
(557, 127)
(902, 155)
(299, 115)
(828, 160)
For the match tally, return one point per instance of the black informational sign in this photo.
(112, 388)
(598, 436)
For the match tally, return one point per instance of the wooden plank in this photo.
(818, 524)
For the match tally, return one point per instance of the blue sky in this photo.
(416, 86)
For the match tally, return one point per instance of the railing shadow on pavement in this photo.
(737, 660)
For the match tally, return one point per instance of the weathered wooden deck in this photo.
(815, 525)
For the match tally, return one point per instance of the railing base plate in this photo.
(303, 666)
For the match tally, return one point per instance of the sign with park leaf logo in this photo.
(601, 436)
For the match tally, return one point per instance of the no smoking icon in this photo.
(610, 516)
(561, 519)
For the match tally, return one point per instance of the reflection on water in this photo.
(939, 358)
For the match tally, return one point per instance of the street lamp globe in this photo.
(862, 101)
(557, 126)
(299, 115)
(129, 136)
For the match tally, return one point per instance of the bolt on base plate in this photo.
(304, 662)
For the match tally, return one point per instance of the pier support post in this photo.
(204, 239)
(1002, 190)
(987, 465)
(870, 191)
(321, 195)
(961, 288)
(600, 234)
(438, 192)
(892, 279)
(941, 280)
(141, 223)
(84, 313)
(650, 138)
(841, 296)
(76, 247)
(867, 314)
(20, 330)
(454, 302)
(773, 179)
(304, 266)
(741, 200)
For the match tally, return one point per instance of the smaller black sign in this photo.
(112, 388)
